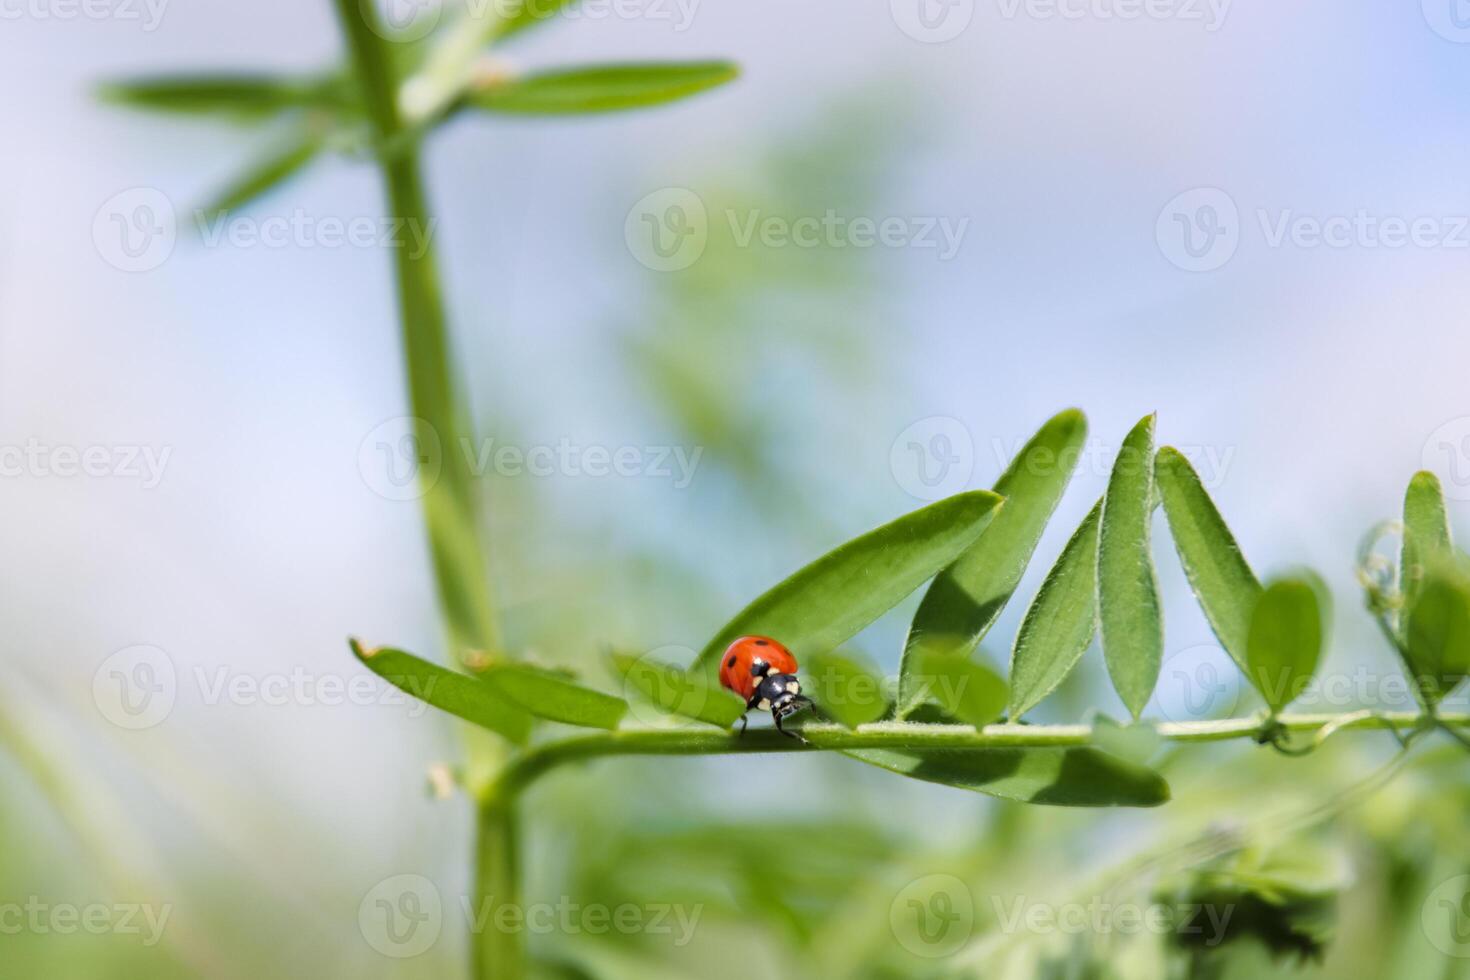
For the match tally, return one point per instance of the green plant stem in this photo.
(451, 507)
(496, 946)
(535, 762)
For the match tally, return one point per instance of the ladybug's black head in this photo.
(780, 694)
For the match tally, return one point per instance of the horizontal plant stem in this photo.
(537, 761)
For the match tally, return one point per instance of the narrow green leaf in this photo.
(965, 599)
(1127, 587)
(1059, 626)
(843, 689)
(1437, 639)
(1137, 742)
(462, 696)
(968, 691)
(247, 96)
(1222, 581)
(529, 13)
(1285, 639)
(830, 600)
(1426, 532)
(602, 88)
(265, 175)
(547, 695)
(677, 691)
(1057, 777)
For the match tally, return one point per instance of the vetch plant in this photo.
(944, 722)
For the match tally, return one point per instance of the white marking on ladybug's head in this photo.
(765, 704)
(794, 686)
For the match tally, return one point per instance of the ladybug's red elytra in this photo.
(763, 672)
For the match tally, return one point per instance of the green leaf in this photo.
(602, 88)
(966, 598)
(970, 692)
(265, 175)
(1426, 532)
(1058, 777)
(845, 690)
(1222, 581)
(1127, 587)
(247, 96)
(677, 691)
(1437, 639)
(1061, 622)
(462, 696)
(829, 601)
(547, 695)
(1285, 638)
(529, 13)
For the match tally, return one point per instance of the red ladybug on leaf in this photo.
(763, 672)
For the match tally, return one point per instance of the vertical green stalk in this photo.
(496, 949)
(450, 504)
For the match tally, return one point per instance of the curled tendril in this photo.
(1377, 573)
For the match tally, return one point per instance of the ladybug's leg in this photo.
(777, 715)
(744, 721)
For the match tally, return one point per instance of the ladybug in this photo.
(763, 672)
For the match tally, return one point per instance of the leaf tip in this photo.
(360, 651)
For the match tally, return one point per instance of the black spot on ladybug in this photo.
(730, 662)
(762, 643)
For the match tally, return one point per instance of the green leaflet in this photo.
(965, 599)
(1426, 532)
(827, 602)
(1218, 574)
(1437, 640)
(1127, 587)
(462, 696)
(967, 691)
(602, 88)
(677, 691)
(843, 689)
(247, 96)
(550, 696)
(1057, 777)
(265, 175)
(1060, 623)
(1286, 639)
